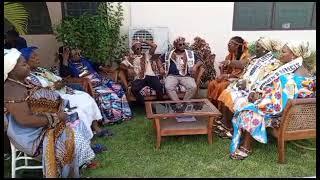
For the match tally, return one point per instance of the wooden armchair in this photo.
(82, 84)
(297, 122)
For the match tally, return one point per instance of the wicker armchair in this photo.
(297, 122)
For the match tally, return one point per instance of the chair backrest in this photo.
(300, 114)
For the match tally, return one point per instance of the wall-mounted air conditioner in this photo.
(159, 35)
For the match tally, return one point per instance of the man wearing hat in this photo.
(140, 66)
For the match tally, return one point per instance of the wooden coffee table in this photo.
(164, 113)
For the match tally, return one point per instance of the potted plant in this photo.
(98, 36)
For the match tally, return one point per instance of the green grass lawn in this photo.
(132, 153)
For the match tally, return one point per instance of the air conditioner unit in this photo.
(159, 35)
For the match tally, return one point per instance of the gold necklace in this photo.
(18, 82)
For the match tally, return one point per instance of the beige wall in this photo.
(47, 44)
(209, 20)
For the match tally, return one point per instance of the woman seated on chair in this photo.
(88, 112)
(111, 96)
(290, 81)
(231, 68)
(38, 125)
(236, 94)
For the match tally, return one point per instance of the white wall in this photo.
(209, 20)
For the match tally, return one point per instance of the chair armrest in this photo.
(299, 114)
(84, 83)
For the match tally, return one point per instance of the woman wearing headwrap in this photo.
(110, 96)
(290, 81)
(236, 94)
(231, 68)
(38, 125)
(88, 112)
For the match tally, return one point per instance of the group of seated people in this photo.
(46, 118)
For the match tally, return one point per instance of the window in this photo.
(143, 34)
(78, 8)
(274, 15)
(39, 19)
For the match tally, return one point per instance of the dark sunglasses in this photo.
(181, 44)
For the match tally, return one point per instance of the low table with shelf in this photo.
(164, 118)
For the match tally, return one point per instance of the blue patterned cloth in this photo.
(255, 117)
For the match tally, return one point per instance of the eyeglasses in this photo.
(181, 44)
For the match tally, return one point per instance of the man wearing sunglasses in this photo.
(139, 66)
(180, 65)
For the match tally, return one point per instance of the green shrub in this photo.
(98, 36)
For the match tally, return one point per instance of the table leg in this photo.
(157, 122)
(210, 123)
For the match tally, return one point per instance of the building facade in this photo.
(216, 22)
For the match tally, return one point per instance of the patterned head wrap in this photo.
(179, 39)
(300, 49)
(270, 44)
(26, 52)
(11, 57)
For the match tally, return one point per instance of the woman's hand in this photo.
(222, 77)
(242, 85)
(253, 96)
(66, 54)
(62, 116)
(58, 85)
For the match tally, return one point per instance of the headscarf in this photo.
(270, 44)
(11, 57)
(300, 49)
(26, 52)
(179, 39)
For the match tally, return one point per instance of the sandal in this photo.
(238, 155)
(223, 134)
(103, 133)
(248, 152)
(91, 165)
(98, 148)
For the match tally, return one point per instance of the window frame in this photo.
(64, 8)
(271, 28)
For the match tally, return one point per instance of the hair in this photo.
(13, 33)
(239, 40)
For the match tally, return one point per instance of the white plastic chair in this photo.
(20, 156)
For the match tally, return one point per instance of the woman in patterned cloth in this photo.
(206, 72)
(44, 132)
(236, 94)
(254, 118)
(111, 97)
(231, 68)
(88, 112)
